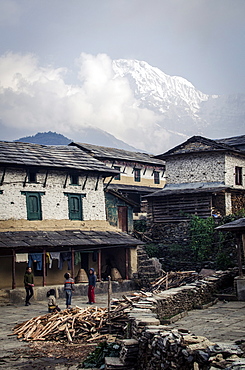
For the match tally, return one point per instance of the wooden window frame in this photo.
(238, 175)
(137, 174)
(156, 175)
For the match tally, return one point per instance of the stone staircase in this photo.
(149, 269)
(4, 297)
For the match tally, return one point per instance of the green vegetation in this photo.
(97, 357)
(203, 245)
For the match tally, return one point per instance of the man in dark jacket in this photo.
(29, 284)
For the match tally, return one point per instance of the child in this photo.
(91, 286)
(68, 288)
(52, 306)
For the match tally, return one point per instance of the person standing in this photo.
(29, 284)
(91, 286)
(68, 288)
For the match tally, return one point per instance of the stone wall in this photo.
(54, 201)
(204, 167)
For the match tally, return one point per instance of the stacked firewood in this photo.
(77, 323)
(89, 324)
(172, 280)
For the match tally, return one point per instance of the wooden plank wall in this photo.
(176, 207)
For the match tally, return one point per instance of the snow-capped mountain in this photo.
(181, 108)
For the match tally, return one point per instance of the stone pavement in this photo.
(222, 322)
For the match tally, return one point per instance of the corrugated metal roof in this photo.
(65, 238)
(62, 157)
(102, 152)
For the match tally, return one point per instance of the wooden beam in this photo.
(239, 253)
(67, 175)
(126, 263)
(97, 182)
(45, 180)
(99, 264)
(25, 181)
(109, 182)
(84, 184)
(72, 263)
(3, 175)
(44, 267)
(13, 270)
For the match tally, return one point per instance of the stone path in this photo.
(222, 322)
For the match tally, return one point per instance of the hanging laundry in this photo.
(65, 256)
(35, 257)
(54, 256)
(77, 258)
(22, 257)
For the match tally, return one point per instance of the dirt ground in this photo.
(48, 355)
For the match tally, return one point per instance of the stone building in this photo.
(53, 217)
(204, 177)
(140, 174)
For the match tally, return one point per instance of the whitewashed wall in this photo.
(54, 201)
(231, 161)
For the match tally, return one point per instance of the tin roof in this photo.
(101, 152)
(51, 240)
(55, 157)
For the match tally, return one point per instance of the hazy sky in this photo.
(47, 45)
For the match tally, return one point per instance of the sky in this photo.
(55, 57)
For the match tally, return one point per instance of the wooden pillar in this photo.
(126, 263)
(99, 265)
(72, 263)
(44, 267)
(13, 270)
(239, 254)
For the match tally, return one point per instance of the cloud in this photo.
(37, 98)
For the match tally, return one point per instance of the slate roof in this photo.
(55, 157)
(102, 153)
(132, 188)
(188, 188)
(237, 225)
(52, 240)
(237, 142)
(199, 144)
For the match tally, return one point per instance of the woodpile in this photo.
(89, 324)
(67, 325)
(172, 280)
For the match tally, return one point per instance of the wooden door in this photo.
(123, 218)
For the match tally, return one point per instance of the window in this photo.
(238, 175)
(32, 176)
(137, 174)
(156, 177)
(74, 179)
(33, 205)
(75, 206)
(117, 177)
